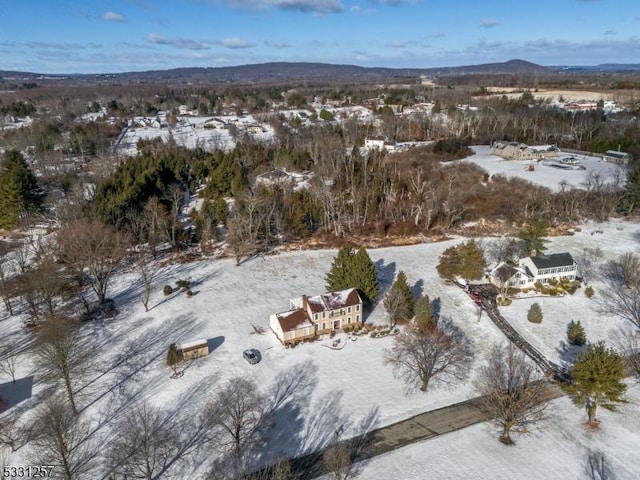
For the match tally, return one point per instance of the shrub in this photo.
(503, 301)
(167, 290)
(182, 284)
(553, 281)
(189, 293)
(589, 291)
(538, 285)
(576, 334)
(535, 314)
(553, 292)
(368, 327)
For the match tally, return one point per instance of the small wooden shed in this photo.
(194, 349)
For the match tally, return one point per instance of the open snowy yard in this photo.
(559, 447)
(544, 175)
(347, 391)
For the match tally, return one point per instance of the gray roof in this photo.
(553, 260)
(504, 272)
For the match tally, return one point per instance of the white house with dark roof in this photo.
(312, 316)
(530, 270)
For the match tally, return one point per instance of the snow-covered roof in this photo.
(193, 345)
(293, 319)
(334, 300)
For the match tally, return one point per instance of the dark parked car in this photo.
(252, 356)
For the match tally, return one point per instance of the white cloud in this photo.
(182, 43)
(114, 17)
(489, 23)
(235, 43)
(306, 6)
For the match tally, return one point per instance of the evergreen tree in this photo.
(465, 260)
(403, 286)
(631, 199)
(596, 380)
(576, 334)
(424, 311)
(535, 314)
(364, 275)
(340, 277)
(19, 191)
(533, 235)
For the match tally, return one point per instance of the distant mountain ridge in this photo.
(283, 71)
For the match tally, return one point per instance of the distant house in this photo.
(614, 156)
(195, 349)
(215, 123)
(530, 270)
(521, 151)
(273, 177)
(378, 143)
(312, 316)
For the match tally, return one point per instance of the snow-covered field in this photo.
(349, 389)
(560, 447)
(191, 133)
(544, 175)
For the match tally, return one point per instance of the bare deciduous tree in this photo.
(239, 237)
(395, 305)
(8, 361)
(7, 286)
(62, 354)
(621, 295)
(628, 343)
(93, 248)
(147, 276)
(146, 443)
(512, 390)
(61, 440)
(429, 350)
(238, 411)
(12, 434)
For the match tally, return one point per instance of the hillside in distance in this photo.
(274, 72)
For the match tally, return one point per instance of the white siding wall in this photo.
(275, 326)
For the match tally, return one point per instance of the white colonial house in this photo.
(531, 270)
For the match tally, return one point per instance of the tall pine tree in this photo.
(340, 276)
(353, 270)
(19, 191)
(596, 380)
(365, 276)
(403, 286)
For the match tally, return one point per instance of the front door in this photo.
(336, 324)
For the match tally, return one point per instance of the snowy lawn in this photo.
(348, 390)
(543, 175)
(550, 336)
(560, 447)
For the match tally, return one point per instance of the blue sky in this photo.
(103, 36)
